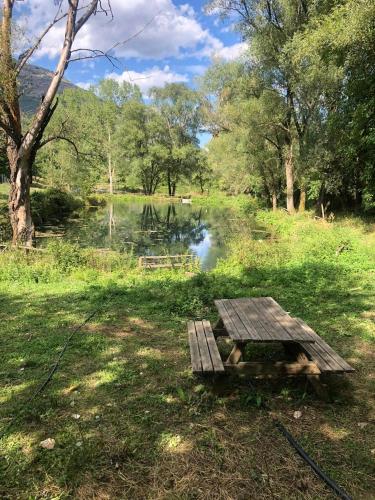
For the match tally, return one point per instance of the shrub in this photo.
(53, 206)
(96, 201)
(5, 227)
(66, 256)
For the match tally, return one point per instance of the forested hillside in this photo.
(34, 82)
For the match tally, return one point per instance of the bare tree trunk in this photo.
(274, 201)
(289, 174)
(19, 198)
(302, 200)
(110, 174)
(110, 166)
(169, 184)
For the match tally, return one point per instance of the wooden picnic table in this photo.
(262, 319)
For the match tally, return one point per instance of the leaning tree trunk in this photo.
(19, 198)
(289, 174)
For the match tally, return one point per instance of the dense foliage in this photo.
(297, 112)
(110, 134)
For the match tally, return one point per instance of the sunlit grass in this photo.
(146, 426)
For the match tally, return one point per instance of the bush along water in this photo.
(53, 206)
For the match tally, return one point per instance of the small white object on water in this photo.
(48, 444)
(76, 416)
(297, 414)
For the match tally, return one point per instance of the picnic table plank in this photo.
(323, 351)
(252, 319)
(273, 328)
(203, 348)
(229, 325)
(259, 320)
(214, 351)
(236, 319)
(194, 348)
(250, 329)
(291, 325)
(269, 320)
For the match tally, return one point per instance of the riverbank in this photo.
(129, 419)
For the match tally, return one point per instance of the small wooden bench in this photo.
(205, 356)
(167, 261)
(327, 360)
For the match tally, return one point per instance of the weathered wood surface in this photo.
(273, 370)
(325, 357)
(205, 356)
(260, 320)
(166, 261)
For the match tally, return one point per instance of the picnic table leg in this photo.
(315, 380)
(236, 353)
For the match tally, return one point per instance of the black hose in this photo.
(301, 452)
(54, 368)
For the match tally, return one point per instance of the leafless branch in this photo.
(94, 54)
(59, 138)
(25, 56)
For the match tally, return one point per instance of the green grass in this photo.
(147, 427)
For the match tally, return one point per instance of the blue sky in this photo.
(177, 42)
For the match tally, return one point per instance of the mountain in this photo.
(34, 82)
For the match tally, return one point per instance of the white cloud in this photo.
(232, 52)
(165, 30)
(84, 85)
(154, 77)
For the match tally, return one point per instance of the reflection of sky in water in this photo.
(155, 229)
(203, 248)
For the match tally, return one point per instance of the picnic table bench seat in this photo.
(205, 356)
(327, 360)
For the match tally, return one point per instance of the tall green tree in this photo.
(113, 96)
(268, 25)
(179, 108)
(143, 151)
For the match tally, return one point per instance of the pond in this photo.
(158, 228)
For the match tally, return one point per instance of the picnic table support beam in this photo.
(236, 353)
(294, 349)
(273, 370)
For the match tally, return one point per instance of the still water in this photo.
(158, 229)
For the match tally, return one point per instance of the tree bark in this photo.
(289, 174)
(19, 198)
(274, 201)
(302, 200)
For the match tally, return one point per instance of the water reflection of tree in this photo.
(170, 229)
(156, 229)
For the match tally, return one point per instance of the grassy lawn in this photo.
(147, 428)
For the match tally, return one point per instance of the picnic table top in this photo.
(260, 319)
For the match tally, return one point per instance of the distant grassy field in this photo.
(128, 418)
(4, 190)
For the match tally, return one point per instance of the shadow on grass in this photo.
(146, 427)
